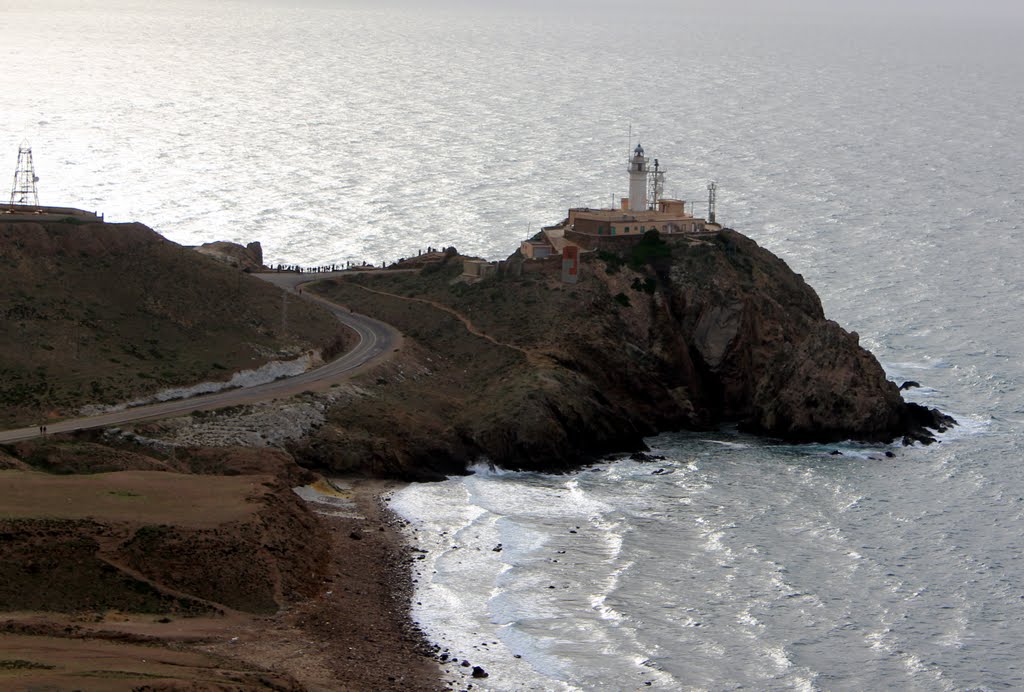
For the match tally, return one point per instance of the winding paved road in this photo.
(377, 341)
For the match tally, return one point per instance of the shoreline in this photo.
(359, 633)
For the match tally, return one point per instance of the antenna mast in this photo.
(656, 184)
(712, 201)
(24, 189)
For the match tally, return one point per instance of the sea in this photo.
(877, 147)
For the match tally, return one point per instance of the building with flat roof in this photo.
(670, 216)
(537, 248)
(477, 269)
(642, 211)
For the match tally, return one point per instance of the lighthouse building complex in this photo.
(644, 210)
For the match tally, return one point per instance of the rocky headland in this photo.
(527, 372)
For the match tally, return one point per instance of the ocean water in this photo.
(877, 147)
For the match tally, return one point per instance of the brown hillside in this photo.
(156, 541)
(209, 574)
(103, 313)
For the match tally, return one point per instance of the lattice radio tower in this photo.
(655, 185)
(712, 200)
(24, 189)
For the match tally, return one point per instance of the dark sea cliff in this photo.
(663, 334)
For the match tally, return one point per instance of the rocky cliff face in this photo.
(248, 257)
(730, 333)
(685, 333)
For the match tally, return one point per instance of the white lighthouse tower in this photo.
(638, 180)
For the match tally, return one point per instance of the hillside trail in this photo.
(533, 357)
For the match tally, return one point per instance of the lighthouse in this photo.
(638, 180)
(644, 211)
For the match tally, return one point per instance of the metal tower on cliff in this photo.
(655, 185)
(712, 200)
(24, 189)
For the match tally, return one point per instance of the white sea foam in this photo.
(460, 538)
(968, 425)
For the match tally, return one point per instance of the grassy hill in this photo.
(104, 313)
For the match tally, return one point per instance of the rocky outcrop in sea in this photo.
(681, 332)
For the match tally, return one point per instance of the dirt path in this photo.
(534, 357)
(355, 635)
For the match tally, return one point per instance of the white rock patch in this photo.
(268, 372)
